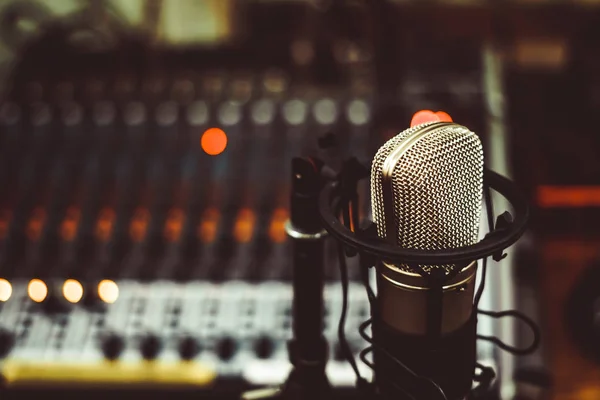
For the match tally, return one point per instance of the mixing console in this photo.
(235, 329)
(122, 191)
(143, 226)
(140, 234)
(145, 177)
(144, 196)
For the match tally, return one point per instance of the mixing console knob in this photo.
(7, 340)
(188, 348)
(226, 348)
(150, 346)
(264, 347)
(112, 346)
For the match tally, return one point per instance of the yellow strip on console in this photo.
(106, 373)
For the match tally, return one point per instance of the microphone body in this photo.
(434, 336)
(426, 194)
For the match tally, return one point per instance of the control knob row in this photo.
(189, 347)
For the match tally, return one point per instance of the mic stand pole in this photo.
(308, 349)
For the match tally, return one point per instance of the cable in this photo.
(363, 358)
(342, 323)
(379, 348)
(364, 274)
(341, 331)
(400, 364)
(481, 283)
(362, 331)
(489, 206)
(374, 346)
(349, 217)
(511, 349)
(349, 220)
(490, 220)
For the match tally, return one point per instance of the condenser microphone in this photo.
(426, 194)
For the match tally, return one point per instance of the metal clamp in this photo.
(297, 234)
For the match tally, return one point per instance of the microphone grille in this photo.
(426, 188)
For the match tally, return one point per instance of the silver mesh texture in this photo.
(436, 185)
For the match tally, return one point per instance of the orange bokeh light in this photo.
(174, 225)
(244, 225)
(37, 290)
(277, 227)
(424, 116)
(108, 291)
(444, 116)
(72, 290)
(207, 229)
(568, 196)
(5, 290)
(213, 141)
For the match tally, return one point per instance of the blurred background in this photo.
(144, 179)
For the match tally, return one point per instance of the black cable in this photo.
(362, 331)
(400, 364)
(481, 283)
(401, 389)
(363, 357)
(489, 206)
(368, 363)
(342, 323)
(347, 214)
(485, 378)
(511, 349)
(349, 217)
(364, 274)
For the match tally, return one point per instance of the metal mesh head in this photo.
(426, 188)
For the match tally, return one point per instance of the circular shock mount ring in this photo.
(506, 232)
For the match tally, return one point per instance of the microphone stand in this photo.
(308, 348)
